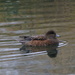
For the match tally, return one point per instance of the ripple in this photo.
(19, 55)
(62, 43)
(8, 44)
(8, 49)
(12, 23)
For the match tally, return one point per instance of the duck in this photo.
(41, 40)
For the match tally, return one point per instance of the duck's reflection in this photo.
(51, 50)
(52, 53)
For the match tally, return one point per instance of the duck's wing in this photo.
(29, 38)
(24, 39)
(39, 38)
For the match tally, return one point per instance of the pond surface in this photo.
(28, 17)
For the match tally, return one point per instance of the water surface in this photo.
(28, 17)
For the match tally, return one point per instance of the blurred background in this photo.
(34, 17)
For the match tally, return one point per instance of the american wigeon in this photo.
(42, 40)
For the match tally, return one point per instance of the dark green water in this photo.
(34, 17)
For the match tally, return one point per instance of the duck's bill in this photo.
(57, 35)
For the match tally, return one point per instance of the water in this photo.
(28, 17)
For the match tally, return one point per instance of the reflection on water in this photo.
(28, 17)
(51, 50)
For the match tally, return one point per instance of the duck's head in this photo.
(50, 34)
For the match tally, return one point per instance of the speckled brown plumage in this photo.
(44, 40)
